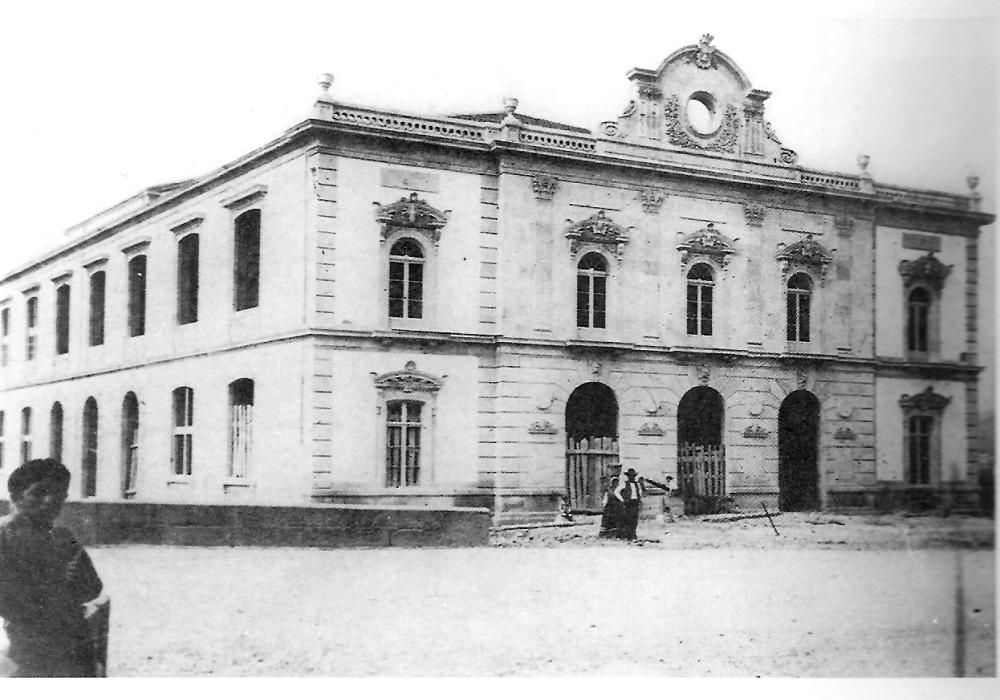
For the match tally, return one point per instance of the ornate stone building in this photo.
(491, 308)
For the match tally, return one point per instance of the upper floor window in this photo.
(246, 260)
(406, 279)
(403, 440)
(183, 400)
(798, 302)
(31, 323)
(918, 308)
(97, 289)
(62, 319)
(4, 333)
(240, 427)
(137, 295)
(700, 286)
(591, 291)
(187, 279)
(25, 434)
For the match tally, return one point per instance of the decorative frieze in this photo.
(544, 186)
(411, 213)
(651, 430)
(652, 200)
(542, 427)
(706, 243)
(927, 401)
(408, 380)
(754, 213)
(926, 270)
(805, 254)
(757, 432)
(598, 230)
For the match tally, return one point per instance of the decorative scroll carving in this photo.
(807, 254)
(926, 270)
(788, 156)
(705, 56)
(756, 431)
(609, 128)
(649, 92)
(544, 186)
(408, 380)
(754, 214)
(542, 427)
(600, 230)
(706, 242)
(927, 401)
(411, 212)
(704, 373)
(651, 429)
(844, 434)
(724, 140)
(844, 226)
(652, 200)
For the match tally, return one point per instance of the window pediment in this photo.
(598, 230)
(805, 254)
(925, 270)
(408, 380)
(927, 401)
(411, 213)
(707, 242)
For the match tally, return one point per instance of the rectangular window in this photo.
(183, 430)
(62, 319)
(919, 449)
(187, 279)
(96, 335)
(137, 296)
(798, 317)
(31, 321)
(240, 427)
(403, 429)
(4, 333)
(246, 260)
(582, 301)
(25, 435)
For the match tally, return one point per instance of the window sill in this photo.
(179, 481)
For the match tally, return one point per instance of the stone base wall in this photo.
(123, 522)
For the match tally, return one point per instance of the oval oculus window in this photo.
(701, 114)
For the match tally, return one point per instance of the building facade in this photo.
(489, 309)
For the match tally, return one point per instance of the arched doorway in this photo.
(798, 452)
(701, 464)
(591, 444)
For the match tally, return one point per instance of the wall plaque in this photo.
(410, 180)
(920, 241)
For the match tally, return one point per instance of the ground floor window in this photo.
(918, 449)
(403, 435)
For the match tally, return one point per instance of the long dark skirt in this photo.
(611, 518)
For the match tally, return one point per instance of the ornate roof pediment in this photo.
(927, 269)
(806, 253)
(926, 400)
(408, 380)
(599, 230)
(706, 242)
(411, 212)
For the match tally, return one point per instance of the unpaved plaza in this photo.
(599, 608)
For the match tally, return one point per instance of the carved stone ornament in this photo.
(408, 380)
(651, 429)
(544, 186)
(926, 270)
(927, 401)
(704, 58)
(542, 427)
(844, 226)
(844, 434)
(754, 213)
(801, 379)
(704, 374)
(755, 431)
(652, 200)
(706, 242)
(724, 140)
(807, 254)
(599, 230)
(411, 212)
(648, 91)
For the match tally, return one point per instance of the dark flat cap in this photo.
(33, 471)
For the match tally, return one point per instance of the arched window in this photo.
(56, 431)
(130, 445)
(187, 279)
(62, 319)
(97, 289)
(798, 302)
(246, 260)
(137, 296)
(404, 428)
(406, 279)
(918, 307)
(700, 286)
(88, 468)
(25, 434)
(183, 400)
(240, 427)
(31, 323)
(591, 291)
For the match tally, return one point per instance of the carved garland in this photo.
(411, 213)
(599, 230)
(926, 270)
(927, 401)
(706, 243)
(807, 254)
(408, 380)
(724, 141)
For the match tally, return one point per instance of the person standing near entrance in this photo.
(629, 492)
(611, 516)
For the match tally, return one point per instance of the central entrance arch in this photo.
(591, 444)
(798, 452)
(701, 463)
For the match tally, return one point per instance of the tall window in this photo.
(25, 434)
(56, 431)
(137, 295)
(88, 469)
(62, 319)
(31, 320)
(183, 430)
(130, 445)
(700, 285)
(96, 335)
(403, 432)
(246, 260)
(187, 279)
(591, 291)
(240, 427)
(406, 279)
(918, 306)
(798, 300)
(4, 333)
(918, 449)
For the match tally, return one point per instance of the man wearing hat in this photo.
(45, 577)
(629, 491)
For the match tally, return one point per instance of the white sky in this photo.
(101, 99)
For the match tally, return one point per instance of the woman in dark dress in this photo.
(614, 509)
